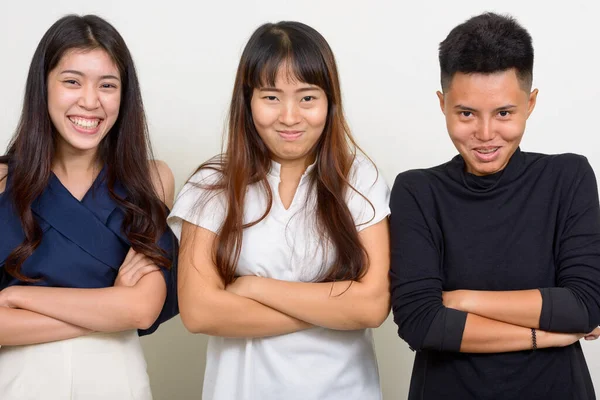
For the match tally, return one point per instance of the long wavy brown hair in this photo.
(246, 159)
(125, 150)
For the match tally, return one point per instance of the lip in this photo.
(487, 157)
(89, 132)
(290, 135)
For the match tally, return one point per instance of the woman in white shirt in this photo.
(284, 252)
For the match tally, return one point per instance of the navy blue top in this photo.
(82, 245)
(534, 225)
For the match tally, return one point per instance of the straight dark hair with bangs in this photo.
(125, 150)
(246, 160)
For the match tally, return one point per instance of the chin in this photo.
(83, 146)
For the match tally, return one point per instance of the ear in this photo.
(532, 101)
(440, 96)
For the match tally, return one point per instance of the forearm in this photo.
(109, 309)
(22, 327)
(518, 307)
(345, 305)
(484, 335)
(220, 313)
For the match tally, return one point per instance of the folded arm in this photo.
(343, 305)
(110, 309)
(423, 320)
(206, 307)
(573, 305)
(22, 327)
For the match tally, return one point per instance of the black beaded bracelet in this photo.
(533, 339)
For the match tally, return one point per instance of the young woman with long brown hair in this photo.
(83, 219)
(284, 251)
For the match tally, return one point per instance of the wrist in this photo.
(551, 339)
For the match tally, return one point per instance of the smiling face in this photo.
(289, 118)
(84, 95)
(486, 116)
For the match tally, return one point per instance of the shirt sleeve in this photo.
(168, 242)
(199, 205)
(574, 304)
(416, 272)
(369, 203)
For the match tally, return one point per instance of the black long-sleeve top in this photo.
(536, 224)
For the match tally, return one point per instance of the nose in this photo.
(89, 98)
(290, 114)
(485, 130)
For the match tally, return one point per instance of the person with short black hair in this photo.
(495, 255)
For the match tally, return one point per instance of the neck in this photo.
(292, 170)
(71, 162)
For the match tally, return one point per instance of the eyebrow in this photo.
(303, 89)
(74, 72)
(465, 108)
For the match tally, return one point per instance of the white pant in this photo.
(100, 366)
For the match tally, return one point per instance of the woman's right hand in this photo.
(134, 267)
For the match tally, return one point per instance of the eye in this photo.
(504, 113)
(108, 86)
(71, 82)
(270, 98)
(308, 98)
(466, 114)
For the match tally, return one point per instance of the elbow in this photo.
(377, 311)
(192, 324)
(414, 340)
(197, 322)
(144, 319)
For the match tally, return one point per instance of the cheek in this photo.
(264, 116)
(316, 117)
(111, 105)
(59, 101)
(459, 131)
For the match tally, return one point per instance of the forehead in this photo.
(89, 62)
(286, 79)
(480, 88)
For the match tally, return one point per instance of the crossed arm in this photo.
(34, 314)
(259, 307)
(486, 321)
(31, 315)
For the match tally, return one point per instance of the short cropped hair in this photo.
(487, 43)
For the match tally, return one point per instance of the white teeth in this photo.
(487, 151)
(85, 123)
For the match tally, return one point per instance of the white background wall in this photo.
(187, 52)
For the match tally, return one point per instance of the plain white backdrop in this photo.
(186, 53)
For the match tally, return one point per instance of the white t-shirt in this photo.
(317, 363)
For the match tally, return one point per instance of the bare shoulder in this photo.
(3, 174)
(163, 181)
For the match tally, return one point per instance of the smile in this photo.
(486, 154)
(487, 150)
(85, 123)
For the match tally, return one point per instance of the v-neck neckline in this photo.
(54, 179)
